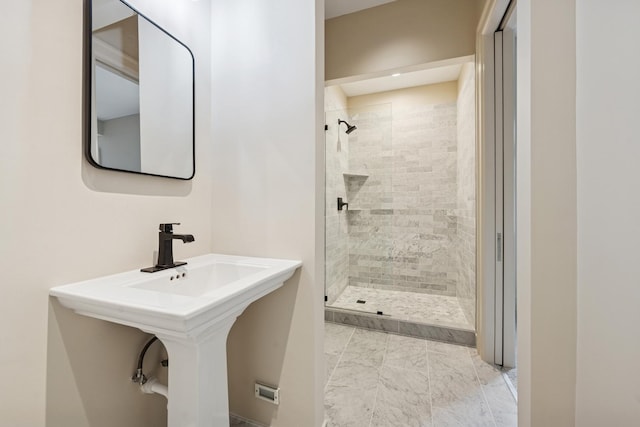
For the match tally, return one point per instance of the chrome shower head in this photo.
(350, 128)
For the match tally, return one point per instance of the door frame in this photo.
(505, 191)
(490, 304)
(509, 329)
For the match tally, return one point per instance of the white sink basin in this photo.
(203, 280)
(191, 309)
(180, 299)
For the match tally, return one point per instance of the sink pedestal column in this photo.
(198, 394)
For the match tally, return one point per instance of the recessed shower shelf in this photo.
(355, 175)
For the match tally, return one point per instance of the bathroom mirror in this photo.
(141, 115)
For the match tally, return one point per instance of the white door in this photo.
(505, 194)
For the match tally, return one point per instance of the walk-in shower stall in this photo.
(400, 208)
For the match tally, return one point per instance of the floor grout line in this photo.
(484, 396)
(510, 385)
(426, 348)
(375, 399)
(339, 359)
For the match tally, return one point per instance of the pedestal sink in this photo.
(191, 310)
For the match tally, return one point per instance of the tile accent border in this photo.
(401, 327)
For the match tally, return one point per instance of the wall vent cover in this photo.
(268, 393)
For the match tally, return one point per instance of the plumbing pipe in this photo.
(154, 386)
(139, 376)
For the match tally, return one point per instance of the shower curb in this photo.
(408, 328)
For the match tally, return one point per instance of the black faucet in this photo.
(165, 248)
(342, 204)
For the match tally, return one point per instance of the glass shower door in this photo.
(359, 238)
(336, 229)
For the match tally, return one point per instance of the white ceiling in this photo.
(115, 95)
(429, 76)
(106, 12)
(333, 8)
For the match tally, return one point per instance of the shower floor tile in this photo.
(411, 306)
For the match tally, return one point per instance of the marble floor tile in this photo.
(501, 402)
(471, 412)
(235, 421)
(452, 377)
(486, 372)
(366, 347)
(348, 406)
(513, 377)
(456, 395)
(355, 374)
(336, 338)
(387, 380)
(446, 348)
(407, 353)
(330, 362)
(403, 399)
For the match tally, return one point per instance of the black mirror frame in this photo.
(87, 68)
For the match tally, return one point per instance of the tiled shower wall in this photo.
(402, 223)
(336, 162)
(466, 194)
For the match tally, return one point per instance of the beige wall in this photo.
(608, 348)
(547, 215)
(577, 215)
(480, 5)
(399, 34)
(440, 93)
(334, 99)
(65, 221)
(268, 175)
(577, 260)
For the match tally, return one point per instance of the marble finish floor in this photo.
(416, 307)
(512, 381)
(375, 379)
(238, 422)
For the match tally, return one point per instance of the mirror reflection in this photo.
(142, 95)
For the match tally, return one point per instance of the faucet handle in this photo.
(168, 227)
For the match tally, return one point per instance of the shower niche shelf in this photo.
(375, 211)
(355, 175)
